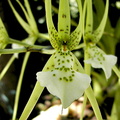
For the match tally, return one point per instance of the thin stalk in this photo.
(87, 71)
(117, 72)
(37, 91)
(11, 51)
(43, 36)
(83, 107)
(11, 41)
(89, 92)
(92, 99)
(19, 85)
(7, 67)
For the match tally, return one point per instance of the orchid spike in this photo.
(61, 77)
(4, 38)
(98, 59)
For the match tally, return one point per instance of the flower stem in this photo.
(19, 85)
(83, 107)
(32, 101)
(92, 99)
(11, 51)
(43, 36)
(117, 72)
(89, 92)
(25, 44)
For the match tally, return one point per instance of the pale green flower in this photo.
(97, 58)
(4, 38)
(61, 77)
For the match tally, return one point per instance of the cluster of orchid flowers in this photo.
(63, 75)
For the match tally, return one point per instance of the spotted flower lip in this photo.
(98, 59)
(62, 80)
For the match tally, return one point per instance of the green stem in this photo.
(87, 71)
(43, 36)
(11, 41)
(11, 51)
(89, 92)
(82, 45)
(92, 99)
(83, 107)
(7, 67)
(117, 72)
(32, 101)
(19, 85)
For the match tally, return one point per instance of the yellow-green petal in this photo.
(75, 36)
(99, 31)
(89, 17)
(64, 20)
(4, 38)
(54, 36)
(32, 19)
(25, 25)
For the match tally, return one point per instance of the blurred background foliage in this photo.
(106, 92)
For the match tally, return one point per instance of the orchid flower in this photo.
(96, 57)
(3, 36)
(61, 76)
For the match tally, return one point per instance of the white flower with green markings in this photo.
(96, 57)
(64, 76)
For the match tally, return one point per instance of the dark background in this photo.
(36, 61)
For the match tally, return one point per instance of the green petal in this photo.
(64, 20)
(99, 31)
(89, 17)
(75, 37)
(3, 35)
(32, 19)
(54, 37)
(25, 25)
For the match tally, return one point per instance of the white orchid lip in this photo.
(62, 80)
(98, 59)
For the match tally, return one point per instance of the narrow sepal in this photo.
(99, 31)
(25, 25)
(32, 19)
(4, 38)
(64, 20)
(75, 36)
(54, 36)
(89, 17)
